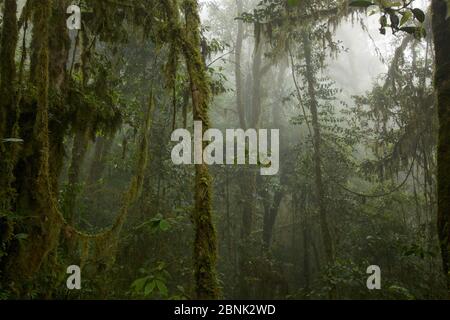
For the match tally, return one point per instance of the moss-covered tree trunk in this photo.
(79, 150)
(44, 237)
(205, 244)
(8, 69)
(38, 206)
(8, 118)
(59, 45)
(8, 106)
(441, 31)
(82, 134)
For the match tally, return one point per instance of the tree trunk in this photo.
(8, 69)
(8, 107)
(269, 219)
(8, 120)
(59, 46)
(79, 149)
(238, 68)
(306, 243)
(25, 260)
(247, 182)
(205, 244)
(320, 192)
(102, 149)
(441, 31)
(271, 216)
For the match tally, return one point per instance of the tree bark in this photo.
(9, 40)
(8, 120)
(271, 216)
(102, 149)
(79, 150)
(320, 192)
(26, 259)
(59, 45)
(8, 107)
(441, 32)
(205, 244)
(238, 68)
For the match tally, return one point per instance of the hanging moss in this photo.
(59, 46)
(43, 232)
(48, 228)
(8, 124)
(99, 249)
(38, 204)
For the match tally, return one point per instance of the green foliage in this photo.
(154, 284)
(361, 3)
(398, 15)
(378, 157)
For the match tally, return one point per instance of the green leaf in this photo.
(149, 288)
(394, 20)
(423, 33)
(419, 14)
(361, 3)
(139, 284)
(164, 225)
(390, 4)
(161, 265)
(406, 17)
(410, 30)
(293, 3)
(162, 287)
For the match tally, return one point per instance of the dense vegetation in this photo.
(86, 176)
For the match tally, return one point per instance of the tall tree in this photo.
(8, 106)
(205, 244)
(441, 31)
(238, 65)
(317, 142)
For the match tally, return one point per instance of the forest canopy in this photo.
(257, 149)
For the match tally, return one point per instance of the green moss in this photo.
(205, 243)
(47, 224)
(8, 108)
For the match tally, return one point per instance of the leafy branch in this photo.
(397, 15)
